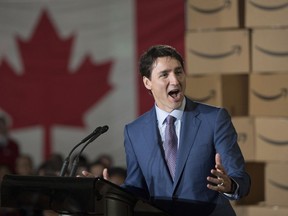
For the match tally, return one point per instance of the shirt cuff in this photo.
(234, 195)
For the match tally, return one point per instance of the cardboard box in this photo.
(260, 210)
(271, 139)
(276, 184)
(270, 50)
(256, 195)
(217, 52)
(268, 94)
(203, 14)
(229, 91)
(265, 13)
(245, 129)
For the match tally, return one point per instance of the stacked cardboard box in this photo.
(268, 88)
(237, 57)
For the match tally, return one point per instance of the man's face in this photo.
(167, 83)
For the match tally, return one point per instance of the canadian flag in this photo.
(67, 67)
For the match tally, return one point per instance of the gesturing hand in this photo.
(220, 181)
(105, 174)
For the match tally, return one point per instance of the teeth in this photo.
(173, 93)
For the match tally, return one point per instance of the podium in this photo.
(73, 196)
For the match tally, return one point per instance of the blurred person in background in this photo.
(9, 148)
(48, 168)
(106, 160)
(5, 170)
(96, 168)
(57, 159)
(83, 164)
(51, 166)
(24, 165)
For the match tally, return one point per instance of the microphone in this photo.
(67, 160)
(76, 160)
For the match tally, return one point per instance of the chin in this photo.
(176, 105)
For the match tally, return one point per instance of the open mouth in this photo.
(174, 93)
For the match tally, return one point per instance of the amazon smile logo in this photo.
(282, 94)
(273, 142)
(212, 94)
(234, 50)
(272, 53)
(226, 4)
(269, 8)
(278, 185)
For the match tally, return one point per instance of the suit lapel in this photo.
(154, 143)
(150, 130)
(153, 138)
(187, 137)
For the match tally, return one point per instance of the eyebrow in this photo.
(180, 67)
(167, 70)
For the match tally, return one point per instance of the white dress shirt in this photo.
(177, 113)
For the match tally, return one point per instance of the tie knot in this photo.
(170, 120)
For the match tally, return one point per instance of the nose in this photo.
(174, 79)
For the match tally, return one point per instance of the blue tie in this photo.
(170, 144)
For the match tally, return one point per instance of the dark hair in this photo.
(154, 52)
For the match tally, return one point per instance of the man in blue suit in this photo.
(210, 168)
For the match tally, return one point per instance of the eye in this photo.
(178, 71)
(164, 74)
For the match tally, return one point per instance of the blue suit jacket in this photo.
(205, 130)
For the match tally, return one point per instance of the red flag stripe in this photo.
(157, 23)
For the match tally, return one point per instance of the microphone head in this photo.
(104, 129)
(97, 130)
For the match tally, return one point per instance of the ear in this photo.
(147, 83)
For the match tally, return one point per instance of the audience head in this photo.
(24, 165)
(106, 160)
(96, 168)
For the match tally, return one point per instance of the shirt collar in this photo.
(177, 113)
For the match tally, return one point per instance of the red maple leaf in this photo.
(47, 93)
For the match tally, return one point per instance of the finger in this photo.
(106, 174)
(215, 181)
(218, 188)
(216, 184)
(219, 167)
(87, 174)
(218, 173)
(218, 159)
(221, 183)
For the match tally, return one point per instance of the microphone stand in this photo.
(76, 160)
(67, 159)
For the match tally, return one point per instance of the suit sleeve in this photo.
(225, 139)
(135, 181)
